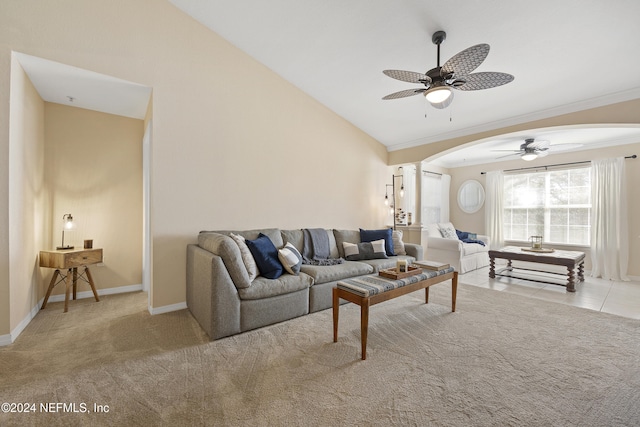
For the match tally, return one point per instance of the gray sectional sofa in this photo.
(225, 302)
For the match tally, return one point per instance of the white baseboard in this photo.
(5, 340)
(9, 338)
(168, 308)
(89, 294)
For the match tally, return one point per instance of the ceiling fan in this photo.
(455, 73)
(532, 149)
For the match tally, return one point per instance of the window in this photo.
(553, 204)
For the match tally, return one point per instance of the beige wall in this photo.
(27, 195)
(234, 145)
(93, 170)
(475, 222)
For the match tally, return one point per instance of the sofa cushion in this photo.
(295, 237)
(448, 231)
(364, 250)
(290, 258)
(371, 235)
(329, 273)
(266, 288)
(350, 236)
(473, 248)
(266, 256)
(247, 257)
(398, 244)
(433, 230)
(224, 247)
(272, 233)
(381, 264)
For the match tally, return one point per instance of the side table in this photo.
(70, 260)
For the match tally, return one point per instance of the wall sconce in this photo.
(393, 195)
(67, 224)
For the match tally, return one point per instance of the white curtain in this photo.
(444, 197)
(494, 209)
(609, 228)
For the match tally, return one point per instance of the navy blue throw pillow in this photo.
(266, 255)
(373, 235)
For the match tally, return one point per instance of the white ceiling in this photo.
(76, 87)
(565, 55)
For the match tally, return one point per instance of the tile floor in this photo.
(620, 298)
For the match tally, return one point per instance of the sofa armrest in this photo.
(444, 244)
(414, 250)
(212, 297)
(485, 239)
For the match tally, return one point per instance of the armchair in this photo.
(464, 257)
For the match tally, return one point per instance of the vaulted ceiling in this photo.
(565, 55)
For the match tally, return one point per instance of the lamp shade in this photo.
(529, 156)
(439, 97)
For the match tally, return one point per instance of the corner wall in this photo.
(28, 203)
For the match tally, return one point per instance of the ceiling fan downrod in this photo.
(437, 38)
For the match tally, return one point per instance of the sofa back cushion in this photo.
(296, 238)
(271, 233)
(372, 235)
(349, 236)
(227, 249)
(433, 230)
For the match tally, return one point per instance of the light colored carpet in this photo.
(501, 359)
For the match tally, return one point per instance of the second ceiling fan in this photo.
(454, 74)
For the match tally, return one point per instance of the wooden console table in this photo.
(70, 260)
(572, 260)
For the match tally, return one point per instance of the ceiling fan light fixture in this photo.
(438, 94)
(529, 156)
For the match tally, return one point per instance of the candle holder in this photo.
(536, 242)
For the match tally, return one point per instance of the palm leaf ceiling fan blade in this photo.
(564, 147)
(541, 144)
(484, 80)
(517, 153)
(408, 76)
(466, 61)
(405, 93)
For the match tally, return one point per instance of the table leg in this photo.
(571, 281)
(426, 295)
(75, 282)
(364, 326)
(581, 271)
(52, 284)
(454, 291)
(68, 285)
(492, 268)
(93, 286)
(336, 307)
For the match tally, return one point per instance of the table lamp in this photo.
(67, 224)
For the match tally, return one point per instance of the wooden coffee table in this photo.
(370, 290)
(571, 259)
